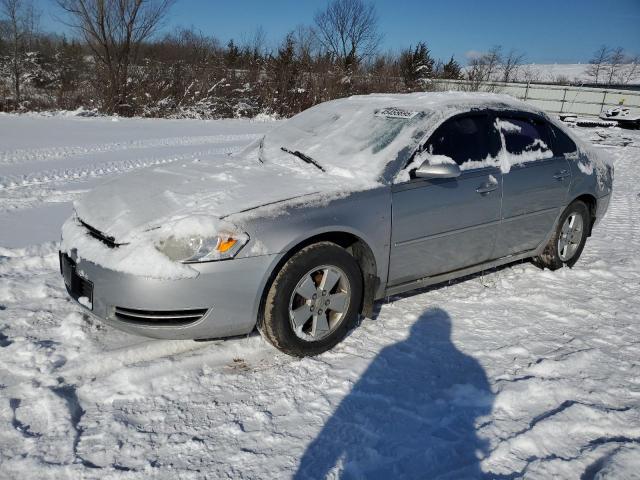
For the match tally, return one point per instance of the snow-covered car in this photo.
(348, 202)
(623, 115)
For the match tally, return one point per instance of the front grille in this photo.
(77, 287)
(98, 235)
(159, 317)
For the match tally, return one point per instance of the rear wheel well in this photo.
(357, 247)
(592, 204)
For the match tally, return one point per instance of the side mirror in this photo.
(440, 170)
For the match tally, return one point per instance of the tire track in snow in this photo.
(98, 170)
(620, 226)
(622, 218)
(105, 362)
(11, 157)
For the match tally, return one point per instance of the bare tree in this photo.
(510, 65)
(632, 70)
(530, 74)
(597, 64)
(348, 30)
(185, 44)
(255, 44)
(19, 21)
(484, 68)
(615, 65)
(114, 30)
(306, 44)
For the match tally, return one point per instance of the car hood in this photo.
(214, 187)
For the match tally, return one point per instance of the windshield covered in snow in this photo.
(367, 139)
(345, 138)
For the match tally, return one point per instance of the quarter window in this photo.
(562, 144)
(465, 138)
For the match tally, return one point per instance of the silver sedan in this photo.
(344, 204)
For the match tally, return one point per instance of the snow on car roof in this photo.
(360, 136)
(431, 101)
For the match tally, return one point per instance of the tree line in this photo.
(612, 66)
(118, 62)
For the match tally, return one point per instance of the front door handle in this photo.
(562, 174)
(487, 188)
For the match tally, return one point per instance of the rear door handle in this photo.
(486, 188)
(562, 174)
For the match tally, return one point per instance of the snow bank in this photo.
(576, 73)
(265, 117)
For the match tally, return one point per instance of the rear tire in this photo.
(567, 242)
(313, 302)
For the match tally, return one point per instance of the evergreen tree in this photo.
(416, 65)
(232, 54)
(452, 70)
(285, 71)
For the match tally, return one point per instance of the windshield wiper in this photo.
(303, 157)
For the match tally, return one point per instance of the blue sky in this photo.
(548, 31)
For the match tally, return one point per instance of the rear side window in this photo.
(523, 135)
(465, 138)
(562, 144)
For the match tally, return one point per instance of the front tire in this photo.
(313, 301)
(567, 242)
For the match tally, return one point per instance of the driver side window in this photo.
(465, 138)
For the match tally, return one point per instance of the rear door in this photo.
(442, 225)
(536, 185)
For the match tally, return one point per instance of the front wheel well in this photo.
(353, 244)
(592, 204)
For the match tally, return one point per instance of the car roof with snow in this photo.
(433, 101)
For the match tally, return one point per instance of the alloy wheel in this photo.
(570, 236)
(319, 302)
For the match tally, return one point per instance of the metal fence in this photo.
(555, 98)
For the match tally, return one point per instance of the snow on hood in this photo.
(127, 205)
(142, 209)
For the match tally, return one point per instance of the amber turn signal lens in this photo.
(226, 245)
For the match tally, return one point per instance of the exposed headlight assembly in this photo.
(195, 249)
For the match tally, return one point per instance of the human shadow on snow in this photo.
(412, 414)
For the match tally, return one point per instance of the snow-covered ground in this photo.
(514, 373)
(573, 72)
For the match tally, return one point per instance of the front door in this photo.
(442, 225)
